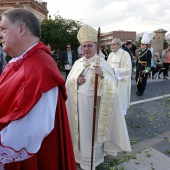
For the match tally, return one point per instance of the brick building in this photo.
(106, 38)
(38, 7)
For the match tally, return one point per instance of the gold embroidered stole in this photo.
(106, 105)
(106, 91)
(73, 94)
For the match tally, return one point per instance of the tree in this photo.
(138, 43)
(165, 44)
(58, 32)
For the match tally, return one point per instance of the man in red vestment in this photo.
(34, 129)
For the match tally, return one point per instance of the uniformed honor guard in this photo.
(143, 65)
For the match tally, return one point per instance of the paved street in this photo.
(148, 122)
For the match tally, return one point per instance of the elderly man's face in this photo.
(9, 36)
(88, 49)
(114, 46)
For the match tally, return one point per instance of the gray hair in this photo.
(156, 54)
(26, 17)
(117, 41)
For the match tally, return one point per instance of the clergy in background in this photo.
(120, 62)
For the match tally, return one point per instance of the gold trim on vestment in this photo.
(107, 101)
(106, 91)
(73, 93)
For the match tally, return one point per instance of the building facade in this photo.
(106, 38)
(39, 8)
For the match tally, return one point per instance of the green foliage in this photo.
(138, 43)
(109, 48)
(59, 32)
(165, 44)
(113, 163)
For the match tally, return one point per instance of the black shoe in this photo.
(165, 78)
(140, 94)
(137, 93)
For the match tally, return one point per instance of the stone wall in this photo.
(38, 8)
(158, 42)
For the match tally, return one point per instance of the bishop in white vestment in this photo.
(111, 134)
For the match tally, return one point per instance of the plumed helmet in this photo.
(145, 39)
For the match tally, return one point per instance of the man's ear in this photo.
(22, 29)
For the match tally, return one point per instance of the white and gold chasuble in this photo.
(109, 116)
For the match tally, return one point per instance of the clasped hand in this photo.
(81, 80)
(98, 71)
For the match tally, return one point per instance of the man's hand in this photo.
(81, 80)
(145, 71)
(98, 71)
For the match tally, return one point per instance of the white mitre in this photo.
(87, 33)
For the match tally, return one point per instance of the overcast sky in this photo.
(113, 15)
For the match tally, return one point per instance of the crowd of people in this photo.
(46, 122)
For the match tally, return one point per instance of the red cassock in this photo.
(21, 86)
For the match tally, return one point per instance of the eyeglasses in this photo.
(88, 46)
